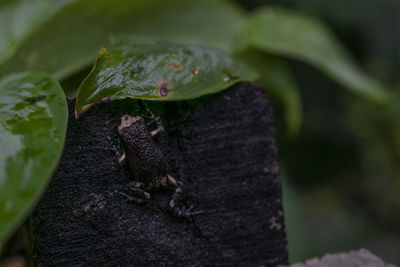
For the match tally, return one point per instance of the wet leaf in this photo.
(158, 70)
(288, 33)
(33, 119)
(277, 79)
(70, 39)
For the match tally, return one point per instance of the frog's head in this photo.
(127, 121)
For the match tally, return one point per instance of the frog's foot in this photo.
(138, 190)
(177, 186)
(157, 120)
(180, 212)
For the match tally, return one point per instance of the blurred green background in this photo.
(342, 173)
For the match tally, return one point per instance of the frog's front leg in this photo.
(155, 119)
(121, 159)
(159, 129)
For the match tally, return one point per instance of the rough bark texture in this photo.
(360, 258)
(222, 147)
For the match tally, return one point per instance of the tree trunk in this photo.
(222, 147)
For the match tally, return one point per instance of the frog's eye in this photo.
(125, 118)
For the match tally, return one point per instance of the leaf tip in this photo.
(77, 114)
(102, 51)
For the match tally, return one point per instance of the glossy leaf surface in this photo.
(291, 34)
(158, 70)
(70, 39)
(33, 119)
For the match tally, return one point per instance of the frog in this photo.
(147, 161)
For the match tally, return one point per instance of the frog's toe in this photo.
(185, 212)
(138, 201)
(137, 189)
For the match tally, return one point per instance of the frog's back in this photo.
(143, 155)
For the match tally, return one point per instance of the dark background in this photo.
(341, 173)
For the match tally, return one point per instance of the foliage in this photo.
(291, 34)
(33, 121)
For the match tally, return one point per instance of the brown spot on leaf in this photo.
(195, 72)
(163, 88)
(174, 66)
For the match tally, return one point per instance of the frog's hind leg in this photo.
(183, 212)
(177, 186)
(168, 182)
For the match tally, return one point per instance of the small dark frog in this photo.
(147, 161)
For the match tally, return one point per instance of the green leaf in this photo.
(68, 41)
(158, 70)
(287, 33)
(20, 18)
(278, 81)
(33, 120)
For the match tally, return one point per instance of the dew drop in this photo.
(195, 72)
(9, 205)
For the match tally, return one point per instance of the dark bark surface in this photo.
(222, 147)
